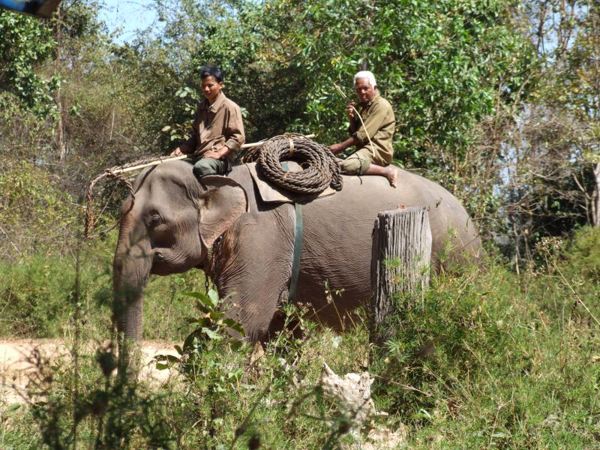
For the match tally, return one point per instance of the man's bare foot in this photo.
(392, 176)
(384, 171)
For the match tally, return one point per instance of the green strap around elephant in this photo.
(298, 244)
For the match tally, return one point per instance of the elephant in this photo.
(172, 223)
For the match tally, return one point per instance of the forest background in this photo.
(497, 100)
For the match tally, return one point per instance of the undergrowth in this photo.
(487, 359)
(36, 296)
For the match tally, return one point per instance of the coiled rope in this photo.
(320, 167)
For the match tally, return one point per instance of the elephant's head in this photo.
(168, 226)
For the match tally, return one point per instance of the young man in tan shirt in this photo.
(217, 131)
(374, 138)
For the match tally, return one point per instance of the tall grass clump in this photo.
(494, 359)
(87, 405)
(36, 295)
(227, 395)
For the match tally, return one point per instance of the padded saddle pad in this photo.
(271, 193)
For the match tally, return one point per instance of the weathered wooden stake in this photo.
(399, 266)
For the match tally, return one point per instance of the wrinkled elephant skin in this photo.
(172, 222)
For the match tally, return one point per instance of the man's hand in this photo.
(212, 154)
(350, 110)
(336, 148)
(176, 152)
(341, 146)
(220, 153)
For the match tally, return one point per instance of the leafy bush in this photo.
(26, 42)
(36, 215)
(494, 359)
(38, 295)
(584, 253)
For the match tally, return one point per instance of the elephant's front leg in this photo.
(253, 268)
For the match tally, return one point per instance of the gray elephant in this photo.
(243, 239)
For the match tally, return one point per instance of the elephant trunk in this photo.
(131, 269)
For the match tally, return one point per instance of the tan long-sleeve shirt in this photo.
(380, 124)
(216, 125)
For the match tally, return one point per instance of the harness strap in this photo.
(298, 243)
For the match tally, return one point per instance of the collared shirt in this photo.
(379, 125)
(216, 125)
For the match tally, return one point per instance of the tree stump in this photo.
(399, 267)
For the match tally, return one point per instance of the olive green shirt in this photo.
(379, 123)
(216, 125)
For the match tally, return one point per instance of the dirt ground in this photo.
(16, 367)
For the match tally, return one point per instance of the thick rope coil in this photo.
(320, 167)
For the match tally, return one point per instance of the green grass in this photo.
(37, 296)
(486, 359)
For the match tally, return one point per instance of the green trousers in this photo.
(209, 166)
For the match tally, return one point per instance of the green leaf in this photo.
(211, 334)
(209, 301)
(234, 325)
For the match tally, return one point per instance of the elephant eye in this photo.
(154, 220)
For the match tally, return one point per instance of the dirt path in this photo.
(16, 367)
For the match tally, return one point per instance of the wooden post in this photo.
(399, 267)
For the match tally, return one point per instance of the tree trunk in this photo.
(399, 267)
(596, 198)
(60, 122)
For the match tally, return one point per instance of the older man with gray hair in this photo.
(372, 126)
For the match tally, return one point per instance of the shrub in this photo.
(37, 296)
(37, 217)
(584, 253)
(496, 359)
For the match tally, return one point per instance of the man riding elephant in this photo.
(217, 131)
(371, 131)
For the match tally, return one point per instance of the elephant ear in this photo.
(220, 205)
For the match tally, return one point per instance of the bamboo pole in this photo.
(175, 158)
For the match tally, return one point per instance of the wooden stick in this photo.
(175, 158)
(153, 163)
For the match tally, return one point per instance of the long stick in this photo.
(175, 158)
(359, 116)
